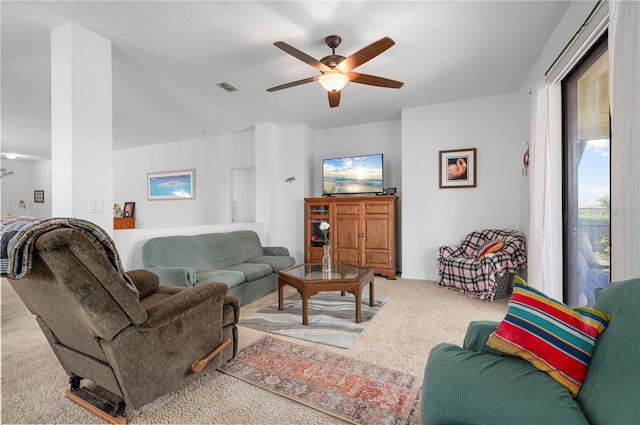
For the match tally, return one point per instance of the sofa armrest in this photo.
(184, 302)
(275, 250)
(146, 282)
(175, 276)
(445, 252)
(477, 334)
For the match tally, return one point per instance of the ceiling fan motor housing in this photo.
(332, 60)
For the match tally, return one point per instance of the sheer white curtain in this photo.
(624, 95)
(540, 259)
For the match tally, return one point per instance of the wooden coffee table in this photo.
(309, 279)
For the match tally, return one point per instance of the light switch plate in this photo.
(95, 206)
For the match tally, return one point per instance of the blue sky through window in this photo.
(593, 172)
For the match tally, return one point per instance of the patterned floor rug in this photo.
(331, 318)
(357, 392)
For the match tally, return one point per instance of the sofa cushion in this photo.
(229, 277)
(202, 252)
(469, 387)
(276, 263)
(610, 390)
(552, 336)
(252, 271)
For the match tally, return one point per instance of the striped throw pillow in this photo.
(552, 336)
(489, 247)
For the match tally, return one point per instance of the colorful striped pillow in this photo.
(552, 336)
(489, 247)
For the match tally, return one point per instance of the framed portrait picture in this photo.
(458, 168)
(171, 185)
(129, 209)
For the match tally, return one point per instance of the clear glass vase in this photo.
(326, 259)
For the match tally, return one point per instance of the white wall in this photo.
(41, 180)
(18, 187)
(431, 216)
(380, 137)
(27, 177)
(287, 218)
(210, 157)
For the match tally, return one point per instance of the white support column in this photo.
(266, 160)
(81, 125)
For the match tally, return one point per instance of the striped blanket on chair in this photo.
(18, 236)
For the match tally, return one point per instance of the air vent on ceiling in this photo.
(227, 87)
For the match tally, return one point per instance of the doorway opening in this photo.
(242, 195)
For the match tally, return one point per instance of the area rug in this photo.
(357, 392)
(332, 318)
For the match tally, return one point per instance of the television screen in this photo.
(353, 174)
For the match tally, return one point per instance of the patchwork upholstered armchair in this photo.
(480, 261)
(121, 331)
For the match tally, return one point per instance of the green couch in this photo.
(236, 259)
(478, 385)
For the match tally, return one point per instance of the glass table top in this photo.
(314, 272)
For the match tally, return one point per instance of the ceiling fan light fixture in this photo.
(333, 81)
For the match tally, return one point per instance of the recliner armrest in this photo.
(175, 276)
(275, 250)
(477, 334)
(145, 281)
(184, 302)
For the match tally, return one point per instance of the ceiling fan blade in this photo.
(365, 54)
(372, 80)
(334, 98)
(294, 83)
(302, 56)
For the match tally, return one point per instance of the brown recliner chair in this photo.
(137, 346)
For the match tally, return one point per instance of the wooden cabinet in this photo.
(362, 231)
(124, 223)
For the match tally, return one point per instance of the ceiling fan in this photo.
(336, 70)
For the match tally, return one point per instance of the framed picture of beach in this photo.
(458, 168)
(171, 185)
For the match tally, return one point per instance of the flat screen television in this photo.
(352, 175)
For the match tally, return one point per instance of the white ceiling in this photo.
(169, 56)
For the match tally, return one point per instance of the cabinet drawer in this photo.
(376, 208)
(315, 255)
(124, 223)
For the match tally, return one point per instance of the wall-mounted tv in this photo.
(352, 175)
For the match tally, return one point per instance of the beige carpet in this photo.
(418, 316)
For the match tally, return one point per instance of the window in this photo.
(586, 176)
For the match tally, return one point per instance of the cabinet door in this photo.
(377, 219)
(347, 236)
(315, 214)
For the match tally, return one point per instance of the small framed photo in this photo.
(129, 209)
(171, 185)
(38, 196)
(458, 168)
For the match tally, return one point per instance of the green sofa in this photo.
(478, 385)
(236, 259)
